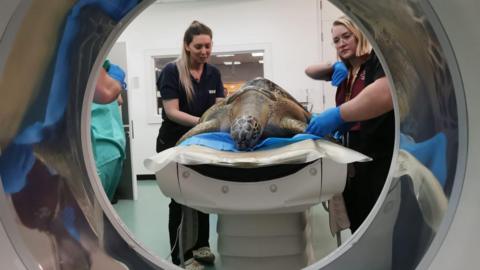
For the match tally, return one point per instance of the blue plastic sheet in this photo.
(68, 216)
(18, 158)
(432, 153)
(15, 163)
(58, 98)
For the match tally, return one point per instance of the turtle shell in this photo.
(259, 109)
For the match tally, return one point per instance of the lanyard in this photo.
(352, 77)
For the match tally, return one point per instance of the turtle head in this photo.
(246, 131)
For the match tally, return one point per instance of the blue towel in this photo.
(224, 142)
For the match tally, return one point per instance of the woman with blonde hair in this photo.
(188, 86)
(363, 115)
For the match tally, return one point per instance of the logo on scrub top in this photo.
(212, 92)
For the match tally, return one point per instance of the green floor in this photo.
(147, 219)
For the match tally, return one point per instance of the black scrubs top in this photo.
(374, 137)
(207, 90)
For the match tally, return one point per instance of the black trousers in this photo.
(167, 137)
(362, 190)
(175, 218)
(366, 181)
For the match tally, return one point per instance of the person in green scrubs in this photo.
(107, 133)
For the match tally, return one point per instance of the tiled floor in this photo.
(147, 219)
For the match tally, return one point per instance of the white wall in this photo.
(288, 30)
(328, 15)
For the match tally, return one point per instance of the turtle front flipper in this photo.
(292, 125)
(208, 126)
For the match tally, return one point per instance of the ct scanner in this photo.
(262, 198)
(429, 49)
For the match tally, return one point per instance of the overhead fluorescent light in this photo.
(225, 55)
(260, 61)
(228, 63)
(257, 54)
(237, 63)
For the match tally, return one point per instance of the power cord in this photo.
(180, 244)
(178, 241)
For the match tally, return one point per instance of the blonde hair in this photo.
(183, 61)
(363, 46)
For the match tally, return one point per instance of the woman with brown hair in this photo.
(188, 86)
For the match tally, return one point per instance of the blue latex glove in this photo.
(118, 74)
(340, 73)
(342, 129)
(325, 123)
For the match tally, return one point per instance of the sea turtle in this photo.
(259, 109)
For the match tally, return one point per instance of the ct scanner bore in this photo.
(429, 49)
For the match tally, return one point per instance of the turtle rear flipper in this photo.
(208, 126)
